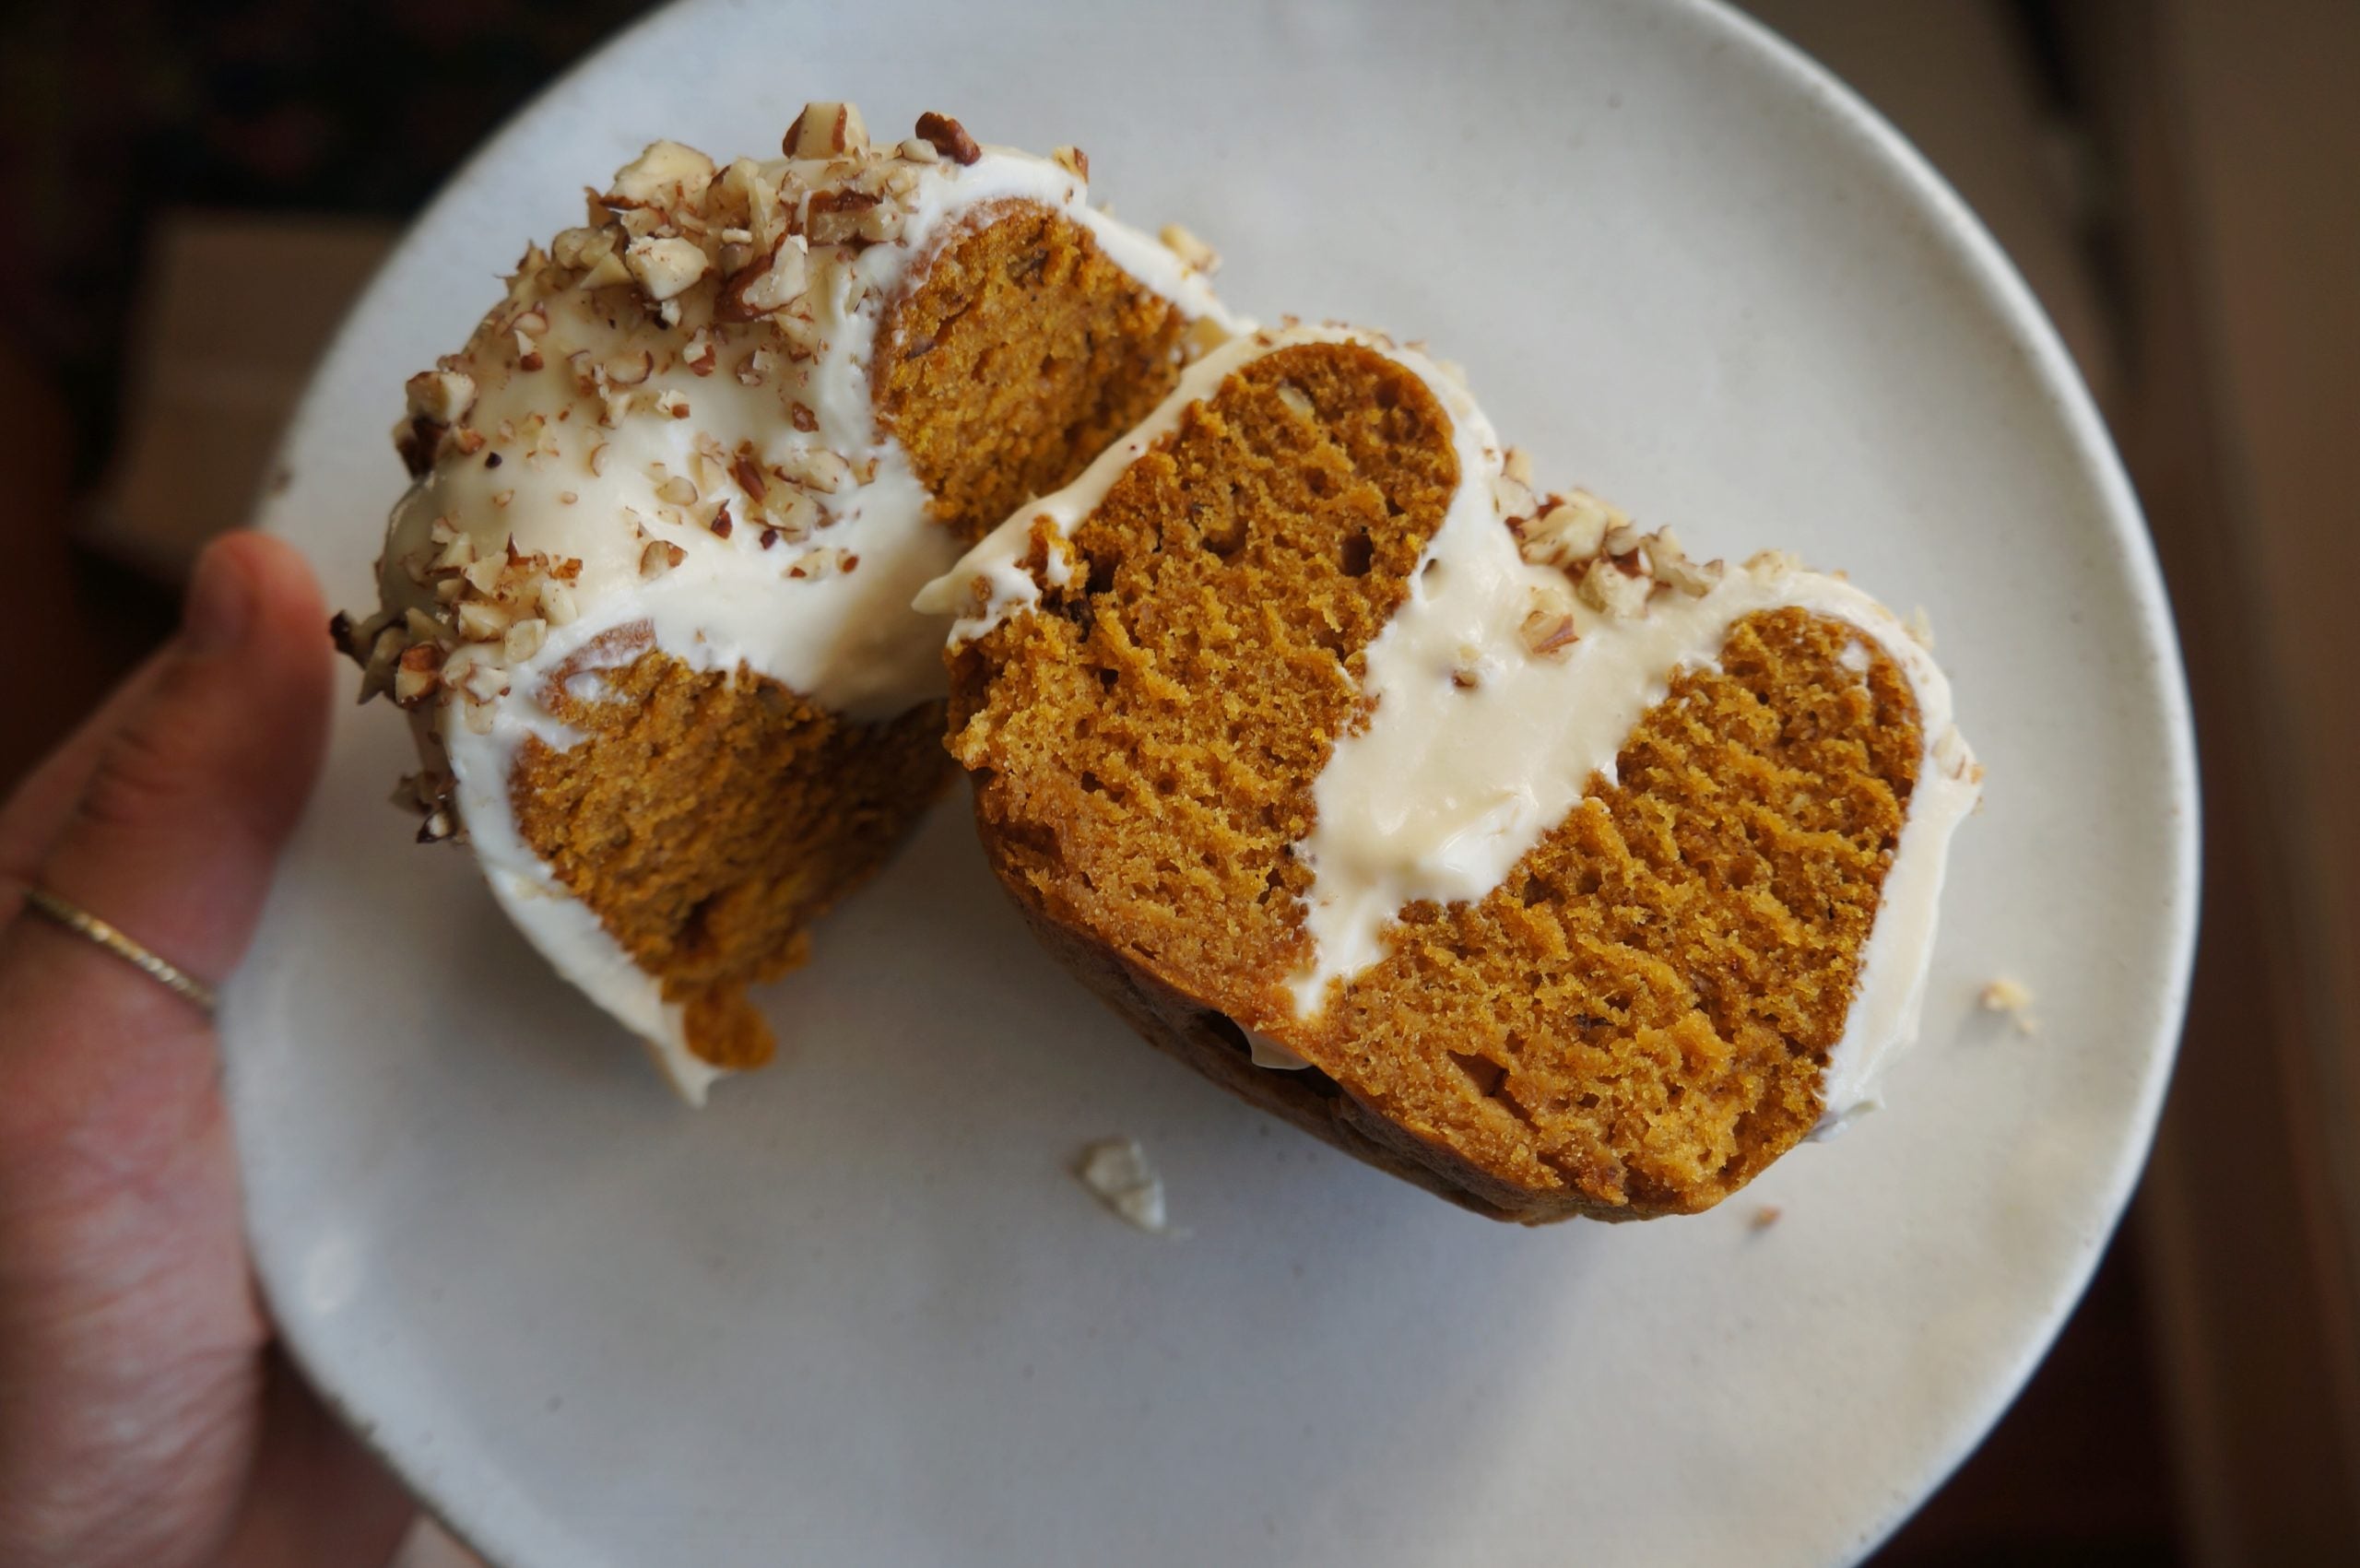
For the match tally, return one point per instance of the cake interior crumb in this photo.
(1025, 352)
(709, 817)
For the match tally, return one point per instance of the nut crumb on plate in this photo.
(2013, 999)
(1117, 1168)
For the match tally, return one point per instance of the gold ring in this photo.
(82, 923)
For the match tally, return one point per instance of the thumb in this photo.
(175, 835)
(129, 1335)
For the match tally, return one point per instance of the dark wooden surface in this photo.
(2232, 235)
(2079, 1471)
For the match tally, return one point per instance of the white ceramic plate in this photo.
(857, 1312)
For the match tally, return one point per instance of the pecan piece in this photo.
(949, 138)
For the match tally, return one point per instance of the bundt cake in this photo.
(647, 600)
(1479, 833)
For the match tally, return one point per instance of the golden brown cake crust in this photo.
(1019, 356)
(1634, 1023)
(710, 817)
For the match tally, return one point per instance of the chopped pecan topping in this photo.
(949, 138)
(835, 217)
(826, 130)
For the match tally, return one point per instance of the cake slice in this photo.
(647, 600)
(1491, 841)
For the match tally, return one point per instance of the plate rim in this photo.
(1959, 229)
(1952, 228)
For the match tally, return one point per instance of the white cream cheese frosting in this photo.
(1534, 638)
(665, 437)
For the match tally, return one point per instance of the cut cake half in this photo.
(647, 600)
(1479, 834)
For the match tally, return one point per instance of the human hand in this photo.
(144, 1418)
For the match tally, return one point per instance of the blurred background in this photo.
(203, 188)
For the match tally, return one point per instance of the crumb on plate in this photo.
(1117, 1168)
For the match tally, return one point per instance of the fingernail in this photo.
(221, 604)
